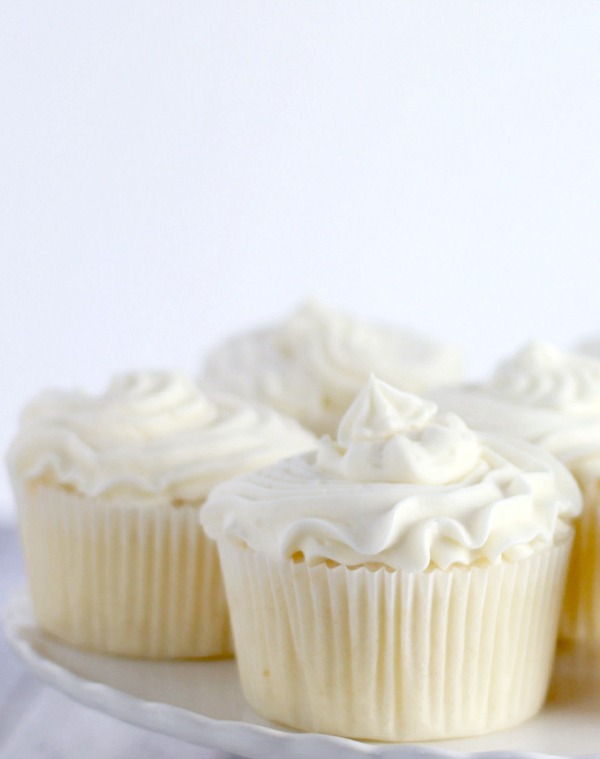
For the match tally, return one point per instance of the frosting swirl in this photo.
(391, 436)
(404, 487)
(313, 364)
(151, 435)
(589, 347)
(542, 377)
(543, 395)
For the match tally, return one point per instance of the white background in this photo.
(171, 172)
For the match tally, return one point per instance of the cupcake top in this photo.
(312, 365)
(544, 395)
(589, 347)
(149, 435)
(402, 486)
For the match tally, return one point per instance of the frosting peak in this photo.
(381, 411)
(305, 321)
(388, 435)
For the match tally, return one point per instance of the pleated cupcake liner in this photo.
(123, 578)
(580, 619)
(394, 656)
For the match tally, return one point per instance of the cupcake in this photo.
(312, 365)
(589, 347)
(108, 490)
(403, 581)
(551, 398)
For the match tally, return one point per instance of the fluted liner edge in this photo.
(394, 656)
(123, 578)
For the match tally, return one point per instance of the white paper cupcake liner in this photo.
(580, 619)
(123, 578)
(394, 656)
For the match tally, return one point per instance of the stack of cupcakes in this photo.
(402, 559)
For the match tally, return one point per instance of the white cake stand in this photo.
(201, 702)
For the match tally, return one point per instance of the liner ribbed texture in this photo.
(123, 578)
(581, 613)
(394, 656)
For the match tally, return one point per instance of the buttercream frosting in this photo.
(150, 435)
(542, 394)
(312, 365)
(402, 486)
(589, 347)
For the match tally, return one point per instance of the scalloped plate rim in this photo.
(232, 736)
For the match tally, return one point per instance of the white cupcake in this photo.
(551, 398)
(403, 582)
(312, 365)
(108, 490)
(589, 347)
